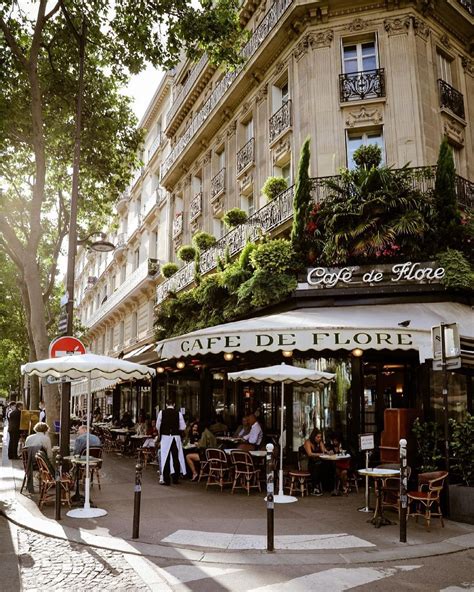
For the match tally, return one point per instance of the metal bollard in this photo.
(270, 502)
(403, 490)
(136, 501)
(58, 476)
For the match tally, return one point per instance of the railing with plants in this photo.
(136, 278)
(450, 98)
(218, 184)
(280, 121)
(259, 36)
(278, 211)
(246, 155)
(362, 85)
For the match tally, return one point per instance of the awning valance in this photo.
(376, 326)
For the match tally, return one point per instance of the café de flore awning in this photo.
(378, 327)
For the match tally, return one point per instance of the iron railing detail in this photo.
(468, 5)
(178, 224)
(218, 184)
(181, 96)
(259, 36)
(280, 121)
(155, 145)
(195, 207)
(450, 98)
(246, 155)
(362, 85)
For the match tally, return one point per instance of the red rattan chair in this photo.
(430, 486)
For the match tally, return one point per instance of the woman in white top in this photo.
(40, 438)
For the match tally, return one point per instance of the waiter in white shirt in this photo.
(253, 439)
(170, 424)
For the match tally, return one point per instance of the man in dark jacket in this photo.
(170, 424)
(14, 431)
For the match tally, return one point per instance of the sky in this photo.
(141, 89)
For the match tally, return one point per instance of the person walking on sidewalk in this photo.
(171, 424)
(14, 430)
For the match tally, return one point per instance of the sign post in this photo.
(270, 502)
(403, 490)
(366, 444)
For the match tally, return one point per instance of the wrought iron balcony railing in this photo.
(246, 155)
(178, 224)
(218, 184)
(155, 145)
(450, 98)
(468, 5)
(362, 85)
(280, 121)
(183, 92)
(195, 207)
(259, 37)
(143, 271)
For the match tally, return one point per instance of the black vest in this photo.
(169, 422)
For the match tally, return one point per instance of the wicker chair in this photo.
(48, 482)
(299, 480)
(428, 494)
(245, 473)
(220, 473)
(391, 492)
(96, 452)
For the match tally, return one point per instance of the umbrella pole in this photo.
(87, 492)
(280, 473)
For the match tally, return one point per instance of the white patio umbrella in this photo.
(286, 375)
(89, 366)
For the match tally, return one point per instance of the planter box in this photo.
(461, 503)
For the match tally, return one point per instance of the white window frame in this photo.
(445, 65)
(366, 135)
(358, 42)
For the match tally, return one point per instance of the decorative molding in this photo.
(279, 67)
(232, 128)
(445, 41)
(321, 39)
(246, 183)
(421, 28)
(195, 226)
(397, 26)
(301, 48)
(245, 108)
(454, 131)
(468, 65)
(207, 157)
(262, 94)
(218, 206)
(358, 24)
(364, 116)
(281, 150)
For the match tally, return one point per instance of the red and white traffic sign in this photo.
(66, 346)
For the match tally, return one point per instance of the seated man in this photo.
(243, 429)
(253, 439)
(80, 443)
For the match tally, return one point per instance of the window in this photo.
(196, 184)
(111, 338)
(247, 203)
(280, 96)
(103, 344)
(121, 332)
(219, 228)
(444, 66)
(123, 273)
(356, 140)
(359, 57)
(248, 130)
(221, 160)
(136, 258)
(134, 325)
(154, 244)
(284, 171)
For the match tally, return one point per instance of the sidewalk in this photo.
(187, 522)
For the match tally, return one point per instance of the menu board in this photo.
(366, 442)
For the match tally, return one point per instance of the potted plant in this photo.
(204, 240)
(273, 186)
(186, 253)
(461, 494)
(235, 217)
(169, 269)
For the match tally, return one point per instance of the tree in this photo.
(38, 77)
(301, 203)
(447, 216)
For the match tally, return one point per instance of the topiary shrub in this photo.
(273, 186)
(458, 271)
(235, 217)
(275, 256)
(302, 203)
(244, 258)
(367, 157)
(169, 269)
(186, 253)
(204, 240)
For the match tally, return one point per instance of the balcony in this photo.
(178, 224)
(357, 86)
(246, 156)
(123, 201)
(195, 207)
(155, 145)
(258, 38)
(142, 273)
(468, 5)
(136, 177)
(279, 211)
(218, 184)
(450, 98)
(160, 196)
(280, 121)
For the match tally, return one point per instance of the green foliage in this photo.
(266, 287)
(177, 315)
(428, 440)
(275, 256)
(233, 276)
(447, 221)
(462, 449)
(204, 240)
(169, 269)
(367, 157)
(245, 256)
(235, 217)
(273, 186)
(186, 253)
(210, 295)
(459, 273)
(301, 204)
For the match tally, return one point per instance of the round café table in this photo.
(78, 462)
(378, 519)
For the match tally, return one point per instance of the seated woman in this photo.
(342, 466)
(141, 427)
(40, 439)
(314, 447)
(207, 440)
(243, 429)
